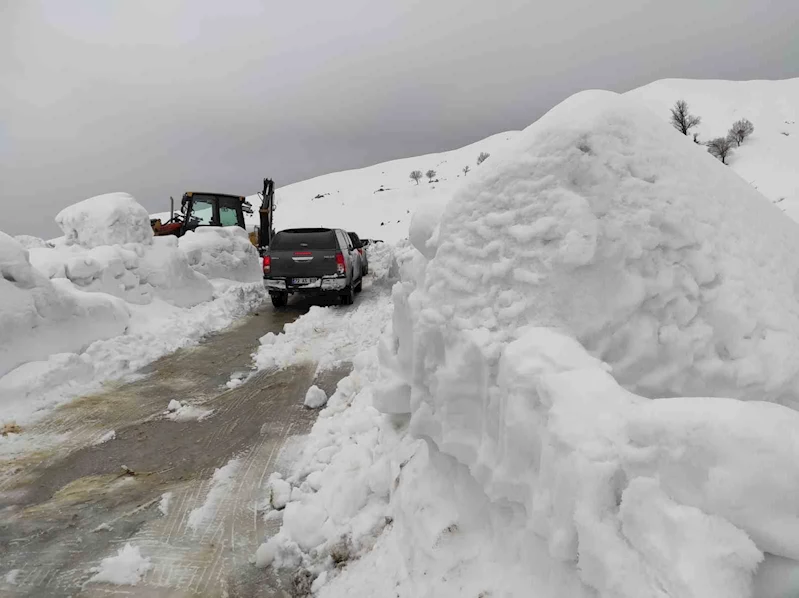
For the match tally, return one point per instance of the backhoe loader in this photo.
(199, 208)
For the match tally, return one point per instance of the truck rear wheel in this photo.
(348, 296)
(279, 299)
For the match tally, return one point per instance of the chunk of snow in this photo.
(278, 491)
(163, 505)
(221, 483)
(265, 554)
(109, 219)
(110, 435)
(11, 576)
(315, 397)
(182, 412)
(39, 317)
(222, 252)
(126, 568)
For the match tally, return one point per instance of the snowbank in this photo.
(109, 248)
(601, 254)
(658, 259)
(224, 252)
(154, 330)
(109, 219)
(134, 272)
(602, 234)
(40, 317)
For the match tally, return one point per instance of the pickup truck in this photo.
(312, 261)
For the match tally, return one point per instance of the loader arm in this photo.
(266, 212)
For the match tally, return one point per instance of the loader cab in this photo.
(211, 209)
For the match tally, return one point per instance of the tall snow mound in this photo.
(605, 222)
(603, 248)
(222, 252)
(39, 317)
(109, 219)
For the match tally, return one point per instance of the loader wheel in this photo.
(279, 299)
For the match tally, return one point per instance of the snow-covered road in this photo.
(69, 504)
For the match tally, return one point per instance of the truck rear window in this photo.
(304, 240)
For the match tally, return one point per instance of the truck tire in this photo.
(279, 299)
(348, 296)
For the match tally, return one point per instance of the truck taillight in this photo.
(267, 264)
(340, 264)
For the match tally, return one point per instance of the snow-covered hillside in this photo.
(377, 202)
(768, 159)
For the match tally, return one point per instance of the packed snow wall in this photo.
(39, 317)
(603, 255)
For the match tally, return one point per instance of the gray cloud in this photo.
(156, 97)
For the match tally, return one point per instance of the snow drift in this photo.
(39, 317)
(134, 272)
(108, 250)
(601, 242)
(109, 219)
(222, 253)
(659, 260)
(109, 297)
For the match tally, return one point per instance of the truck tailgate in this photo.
(311, 263)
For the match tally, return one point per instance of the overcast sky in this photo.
(156, 97)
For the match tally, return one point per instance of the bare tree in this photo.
(416, 175)
(482, 157)
(466, 169)
(681, 119)
(721, 147)
(430, 174)
(741, 129)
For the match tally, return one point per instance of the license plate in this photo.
(302, 280)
